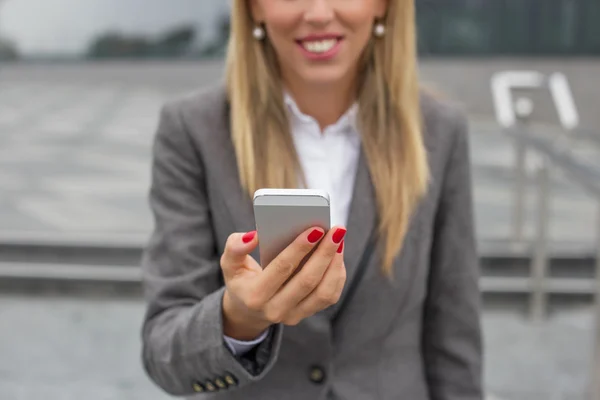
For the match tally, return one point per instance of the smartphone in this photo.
(283, 214)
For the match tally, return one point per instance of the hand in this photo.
(255, 298)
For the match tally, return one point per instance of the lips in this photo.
(319, 44)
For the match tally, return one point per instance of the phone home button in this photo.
(317, 375)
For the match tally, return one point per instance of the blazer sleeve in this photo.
(183, 348)
(451, 327)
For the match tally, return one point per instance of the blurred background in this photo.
(81, 83)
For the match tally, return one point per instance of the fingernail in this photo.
(341, 248)
(248, 237)
(339, 235)
(314, 236)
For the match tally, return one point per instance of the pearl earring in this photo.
(258, 33)
(379, 30)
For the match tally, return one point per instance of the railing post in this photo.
(523, 110)
(595, 376)
(520, 183)
(540, 257)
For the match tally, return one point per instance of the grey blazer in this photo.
(416, 337)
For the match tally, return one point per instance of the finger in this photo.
(283, 266)
(236, 253)
(326, 294)
(311, 274)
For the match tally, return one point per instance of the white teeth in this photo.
(319, 46)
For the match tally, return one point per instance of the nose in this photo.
(319, 12)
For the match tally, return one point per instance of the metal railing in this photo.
(589, 179)
(513, 116)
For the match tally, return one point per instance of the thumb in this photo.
(237, 249)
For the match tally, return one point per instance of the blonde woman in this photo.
(322, 94)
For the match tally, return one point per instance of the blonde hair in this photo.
(389, 119)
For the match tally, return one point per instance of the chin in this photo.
(322, 75)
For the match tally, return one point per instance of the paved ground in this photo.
(464, 78)
(74, 157)
(71, 349)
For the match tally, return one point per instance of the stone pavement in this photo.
(75, 157)
(85, 348)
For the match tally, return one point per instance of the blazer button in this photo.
(220, 383)
(198, 388)
(317, 375)
(210, 386)
(230, 379)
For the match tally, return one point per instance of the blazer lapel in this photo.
(237, 202)
(362, 218)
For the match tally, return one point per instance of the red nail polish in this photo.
(341, 248)
(339, 235)
(314, 236)
(248, 237)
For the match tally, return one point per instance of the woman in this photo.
(320, 94)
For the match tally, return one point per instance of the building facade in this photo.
(191, 28)
(509, 27)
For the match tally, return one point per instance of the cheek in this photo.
(360, 38)
(359, 21)
(281, 26)
(363, 35)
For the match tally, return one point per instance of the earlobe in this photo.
(256, 11)
(381, 9)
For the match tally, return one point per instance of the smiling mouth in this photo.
(319, 46)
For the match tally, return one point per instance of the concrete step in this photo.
(69, 272)
(132, 274)
(115, 260)
(81, 249)
(560, 286)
